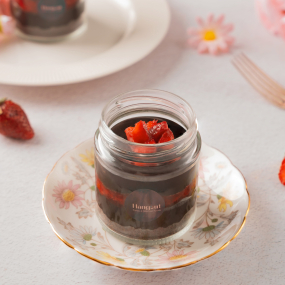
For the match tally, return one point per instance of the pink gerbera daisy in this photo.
(66, 194)
(272, 14)
(211, 36)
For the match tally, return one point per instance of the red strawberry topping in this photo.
(14, 122)
(282, 172)
(158, 130)
(150, 133)
(139, 133)
(166, 137)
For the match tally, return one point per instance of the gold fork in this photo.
(265, 85)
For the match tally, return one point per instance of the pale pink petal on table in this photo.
(202, 47)
(194, 41)
(213, 49)
(210, 19)
(193, 32)
(220, 20)
(229, 40)
(227, 28)
(223, 46)
(200, 21)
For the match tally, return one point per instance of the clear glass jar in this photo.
(146, 194)
(46, 20)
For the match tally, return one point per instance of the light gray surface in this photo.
(232, 117)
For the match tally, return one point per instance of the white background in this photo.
(232, 117)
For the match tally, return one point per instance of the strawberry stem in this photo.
(2, 100)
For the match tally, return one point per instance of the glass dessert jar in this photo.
(146, 193)
(46, 20)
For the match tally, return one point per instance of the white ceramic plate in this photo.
(68, 203)
(119, 33)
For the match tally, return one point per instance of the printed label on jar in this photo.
(144, 205)
(51, 9)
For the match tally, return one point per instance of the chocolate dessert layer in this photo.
(146, 209)
(49, 22)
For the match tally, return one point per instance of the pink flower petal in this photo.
(58, 199)
(192, 32)
(78, 198)
(220, 20)
(74, 203)
(223, 46)
(210, 19)
(61, 205)
(78, 192)
(75, 187)
(70, 184)
(200, 22)
(227, 28)
(229, 40)
(202, 47)
(67, 205)
(213, 49)
(194, 41)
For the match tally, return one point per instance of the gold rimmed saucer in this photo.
(68, 203)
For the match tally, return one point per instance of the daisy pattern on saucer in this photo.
(212, 36)
(68, 193)
(83, 234)
(88, 157)
(176, 256)
(209, 232)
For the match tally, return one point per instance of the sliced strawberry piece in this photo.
(115, 196)
(140, 133)
(151, 124)
(166, 137)
(158, 130)
(282, 172)
(152, 141)
(129, 133)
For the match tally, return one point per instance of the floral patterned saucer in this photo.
(222, 207)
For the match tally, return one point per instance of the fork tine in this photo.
(254, 75)
(263, 76)
(276, 101)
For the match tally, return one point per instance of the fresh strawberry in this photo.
(129, 133)
(157, 130)
(150, 133)
(166, 137)
(151, 124)
(152, 141)
(282, 172)
(139, 133)
(14, 122)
